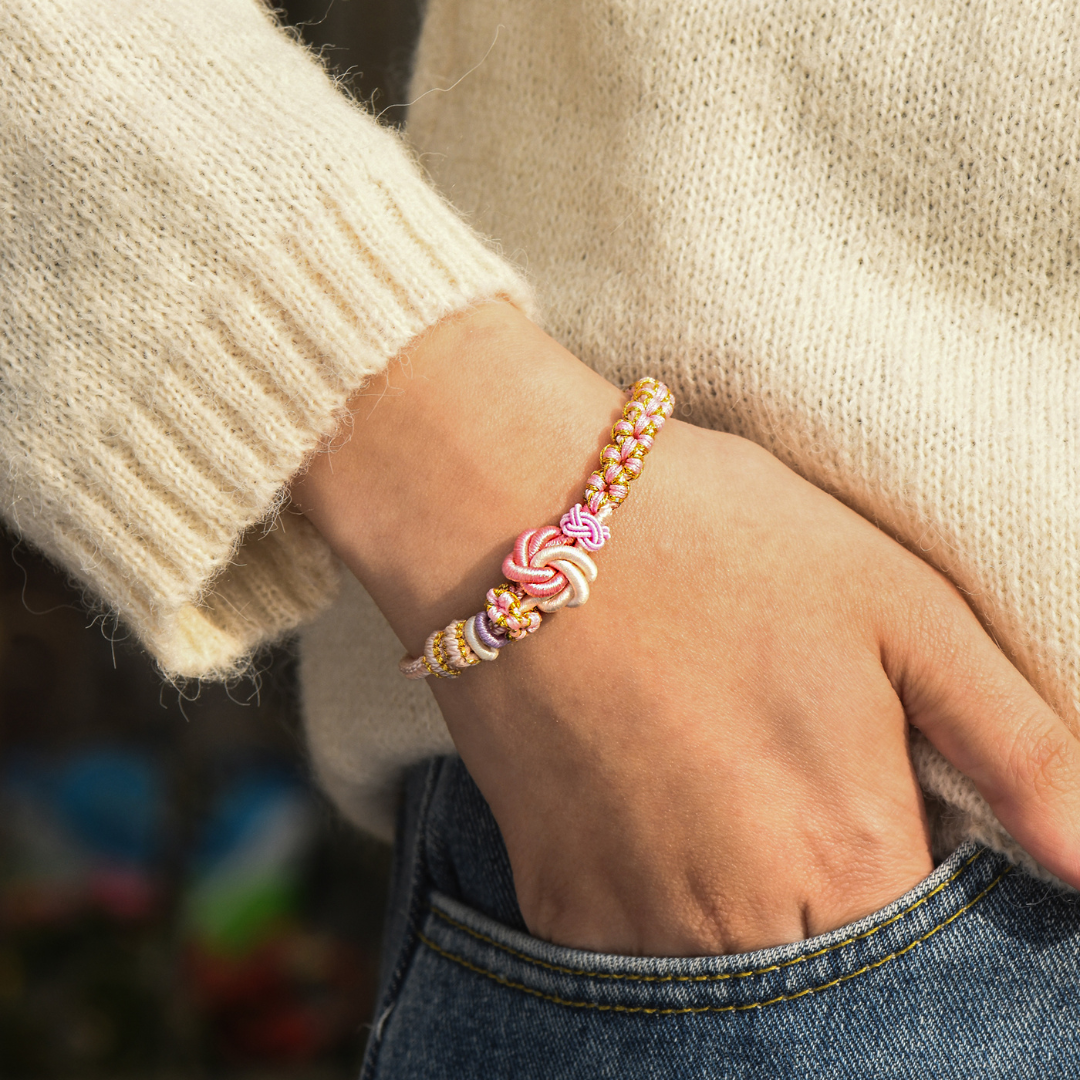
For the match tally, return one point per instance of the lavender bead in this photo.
(489, 635)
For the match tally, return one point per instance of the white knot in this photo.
(579, 570)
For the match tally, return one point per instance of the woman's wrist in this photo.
(485, 426)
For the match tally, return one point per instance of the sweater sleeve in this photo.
(205, 249)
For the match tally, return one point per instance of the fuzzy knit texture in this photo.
(844, 230)
(205, 249)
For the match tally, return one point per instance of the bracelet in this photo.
(551, 567)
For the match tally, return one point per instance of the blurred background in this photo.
(177, 900)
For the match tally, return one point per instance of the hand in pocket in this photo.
(711, 756)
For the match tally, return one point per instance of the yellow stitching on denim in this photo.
(704, 978)
(711, 1008)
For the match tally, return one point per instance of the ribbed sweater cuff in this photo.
(220, 571)
(209, 250)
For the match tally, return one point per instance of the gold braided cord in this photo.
(440, 659)
(466, 653)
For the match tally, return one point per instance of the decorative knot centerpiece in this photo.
(552, 567)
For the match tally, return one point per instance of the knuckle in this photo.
(1041, 760)
(932, 632)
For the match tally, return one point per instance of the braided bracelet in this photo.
(551, 567)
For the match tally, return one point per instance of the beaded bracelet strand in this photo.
(551, 567)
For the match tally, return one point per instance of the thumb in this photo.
(960, 691)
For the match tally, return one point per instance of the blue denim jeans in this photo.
(974, 973)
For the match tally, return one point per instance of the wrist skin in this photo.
(485, 427)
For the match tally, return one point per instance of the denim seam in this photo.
(693, 1009)
(707, 978)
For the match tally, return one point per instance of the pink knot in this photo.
(584, 527)
(503, 608)
(539, 581)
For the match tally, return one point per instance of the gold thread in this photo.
(436, 650)
(714, 1008)
(463, 645)
(706, 978)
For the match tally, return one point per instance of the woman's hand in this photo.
(711, 755)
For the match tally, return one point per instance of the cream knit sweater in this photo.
(840, 229)
(204, 250)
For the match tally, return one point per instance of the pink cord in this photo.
(585, 527)
(520, 565)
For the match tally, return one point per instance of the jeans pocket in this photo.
(876, 946)
(974, 972)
